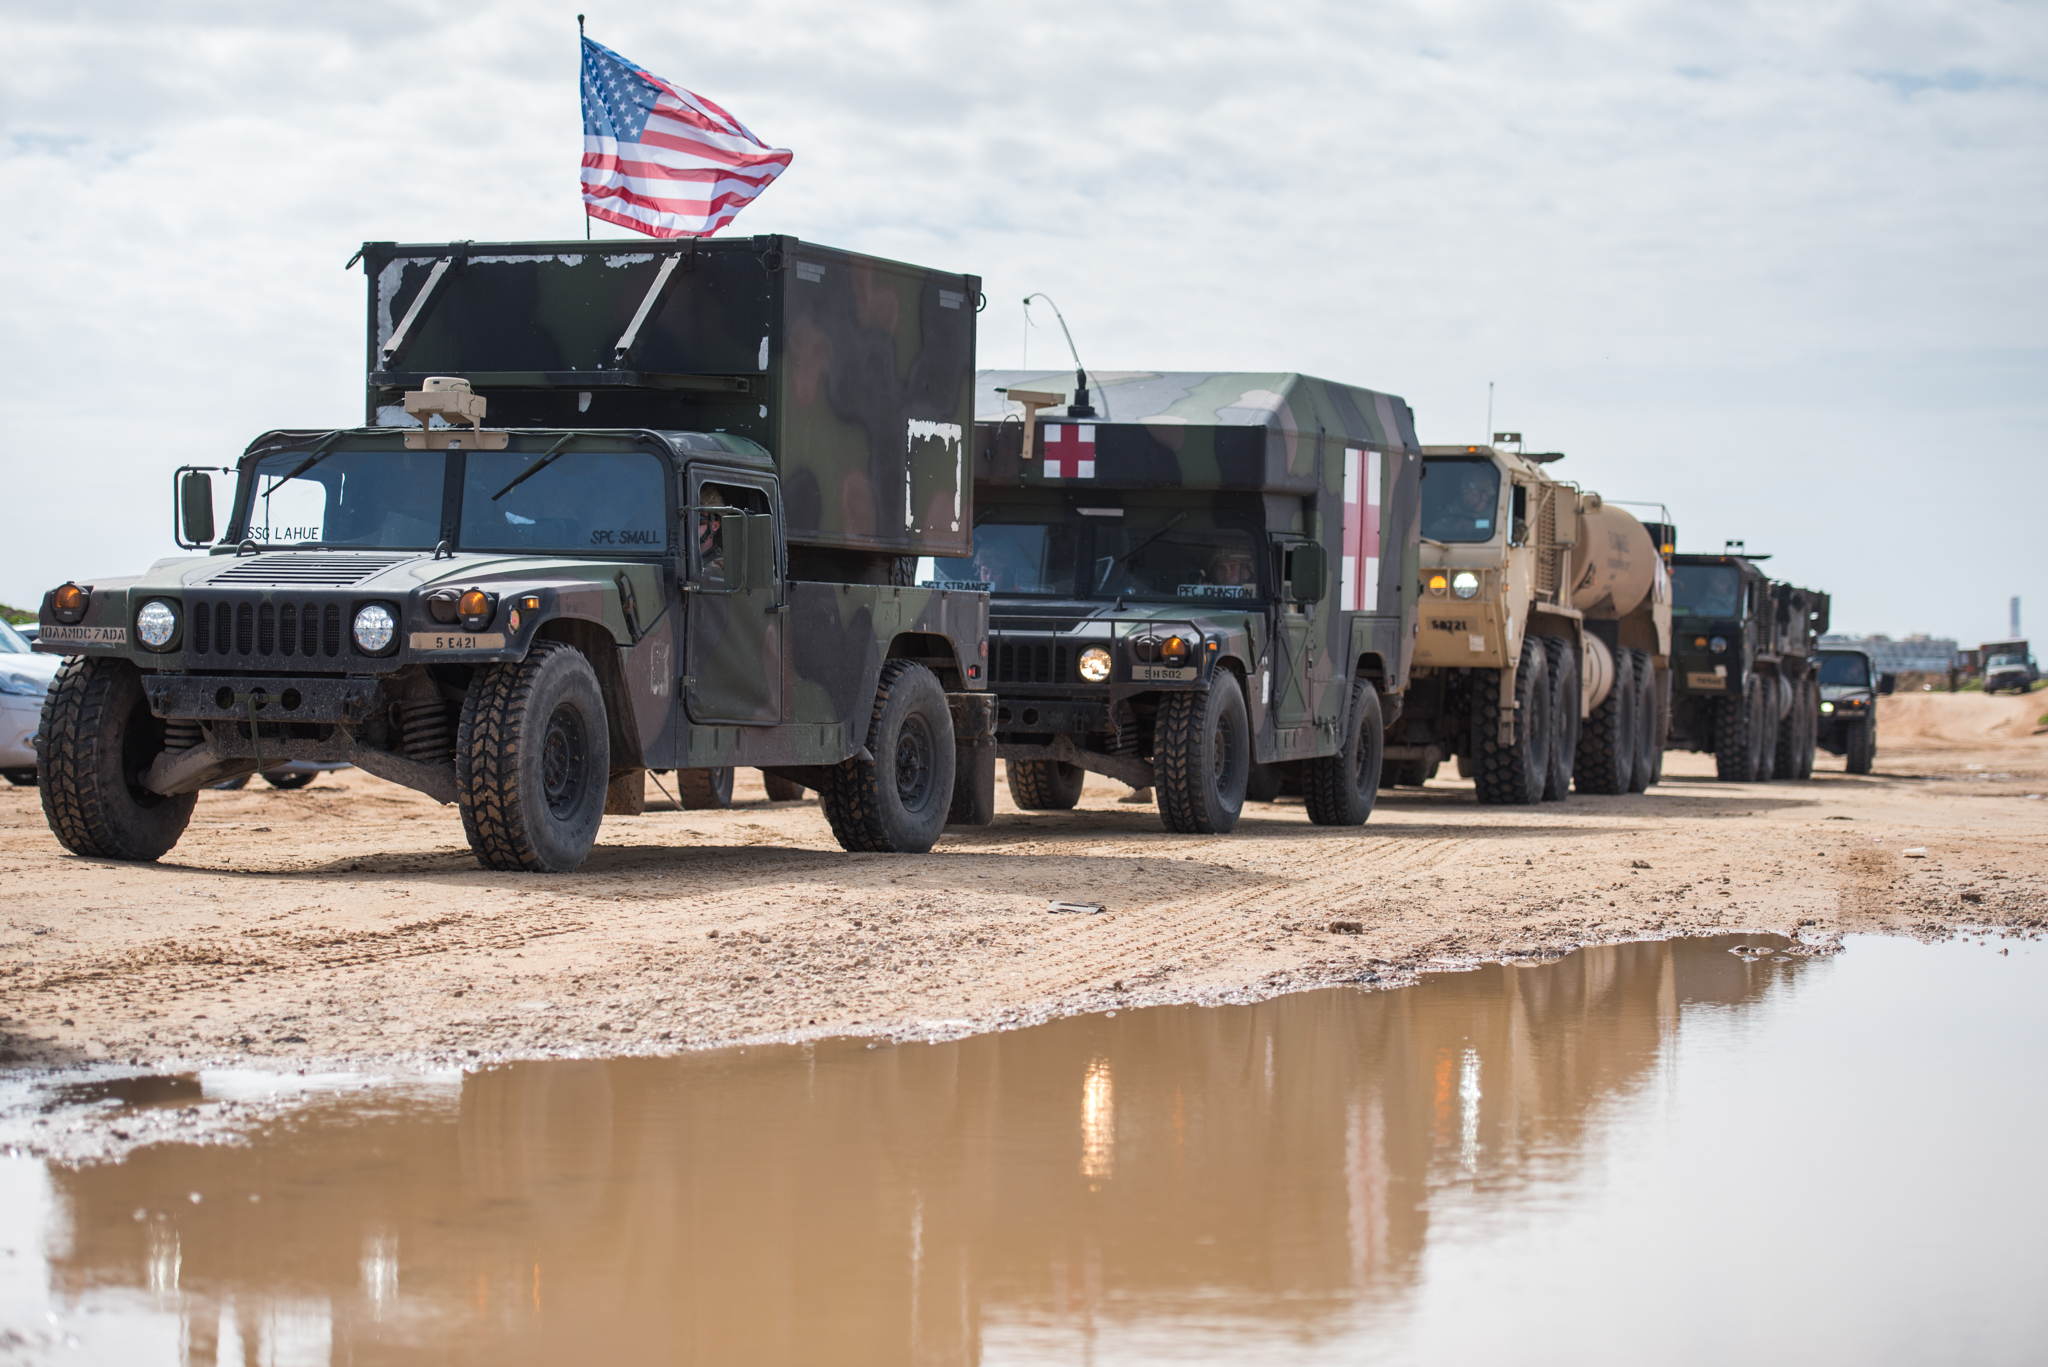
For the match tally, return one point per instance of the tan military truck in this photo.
(1543, 640)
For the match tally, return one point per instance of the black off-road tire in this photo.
(97, 737)
(1643, 764)
(1340, 789)
(1606, 761)
(1262, 784)
(1516, 774)
(1862, 746)
(1735, 739)
(1810, 731)
(1201, 756)
(1765, 724)
(701, 790)
(896, 802)
(532, 761)
(1658, 723)
(291, 781)
(1563, 663)
(782, 789)
(1045, 785)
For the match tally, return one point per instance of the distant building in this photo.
(1915, 654)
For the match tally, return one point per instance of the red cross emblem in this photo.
(1069, 450)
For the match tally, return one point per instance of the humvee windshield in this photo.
(1460, 498)
(1845, 671)
(1146, 553)
(1706, 591)
(585, 501)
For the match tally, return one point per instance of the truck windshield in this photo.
(579, 501)
(1147, 553)
(1845, 671)
(389, 500)
(2005, 662)
(1706, 591)
(1460, 499)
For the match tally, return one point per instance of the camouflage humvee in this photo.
(1744, 677)
(682, 542)
(1203, 584)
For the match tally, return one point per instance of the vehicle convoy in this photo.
(683, 542)
(1544, 639)
(1744, 685)
(2007, 665)
(1849, 689)
(1205, 588)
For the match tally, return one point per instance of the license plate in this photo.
(458, 640)
(96, 636)
(1707, 681)
(1161, 674)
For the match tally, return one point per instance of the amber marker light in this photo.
(69, 603)
(1438, 583)
(475, 608)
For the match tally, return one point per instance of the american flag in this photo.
(661, 160)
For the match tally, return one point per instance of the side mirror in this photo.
(1886, 683)
(1308, 569)
(760, 550)
(195, 509)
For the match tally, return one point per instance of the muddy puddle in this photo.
(1664, 1152)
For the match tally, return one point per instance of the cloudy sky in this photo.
(1778, 266)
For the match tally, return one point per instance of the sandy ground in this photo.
(348, 921)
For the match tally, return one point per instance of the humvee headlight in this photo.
(1718, 644)
(374, 628)
(69, 604)
(1095, 664)
(1438, 583)
(1174, 650)
(1827, 707)
(156, 623)
(1465, 584)
(475, 608)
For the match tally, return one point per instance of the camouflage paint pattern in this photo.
(1265, 450)
(826, 642)
(855, 372)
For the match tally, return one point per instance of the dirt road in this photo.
(348, 920)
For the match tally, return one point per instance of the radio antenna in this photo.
(1080, 407)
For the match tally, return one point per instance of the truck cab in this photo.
(1200, 585)
(1743, 685)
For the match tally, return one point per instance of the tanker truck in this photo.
(1543, 645)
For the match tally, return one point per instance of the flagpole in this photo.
(579, 63)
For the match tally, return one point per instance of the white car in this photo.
(24, 679)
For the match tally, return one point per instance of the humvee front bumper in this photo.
(204, 697)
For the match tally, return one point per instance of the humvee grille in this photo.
(1031, 664)
(306, 569)
(267, 630)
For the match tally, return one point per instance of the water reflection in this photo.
(1266, 1171)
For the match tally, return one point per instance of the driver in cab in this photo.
(1470, 514)
(711, 532)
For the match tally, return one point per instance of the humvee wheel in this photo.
(1045, 785)
(1518, 772)
(1606, 762)
(1341, 788)
(702, 789)
(1563, 664)
(1201, 755)
(781, 789)
(1862, 746)
(98, 738)
(1735, 736)
(1644, 764)
(895, 802)
(532, 757)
